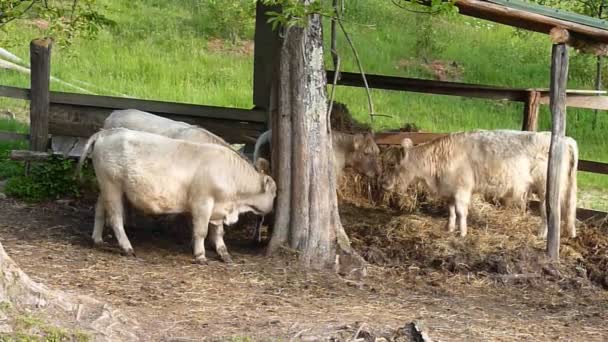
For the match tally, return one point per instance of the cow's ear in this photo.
(406, 143)
(358, 141)
(262, 165)
(269, 185)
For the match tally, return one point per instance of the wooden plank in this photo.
(12, 136)
(582, 214)
(40, 60)
(531, 107)
(15, 92)
(31, 156)
(431, 87)
(265, 55)
(390, 138)
(527, 20)
(581, 101)
(559, 78)
(593, 167)
(152, 106)
(83, 121)
(159, 107)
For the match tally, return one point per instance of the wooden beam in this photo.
(559, 78)
(174, 108)
(531, 107)
(581, 101)
(593, 167)
(429, 86)
(40, 61)
(15, 92)
(12, 136)
(110, 102)
(582, 214)
(31, 156)
(265, 55)
(83, 121)
(526, 20)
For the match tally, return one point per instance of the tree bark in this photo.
(306, 211)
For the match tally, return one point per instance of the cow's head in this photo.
(365, 157)
(265, 202)
(396, 172)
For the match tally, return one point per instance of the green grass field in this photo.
(168, 50)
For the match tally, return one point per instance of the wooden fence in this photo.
(69, 115)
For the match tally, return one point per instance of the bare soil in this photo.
(262, 298)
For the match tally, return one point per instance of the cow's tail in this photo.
(85, 152)
(571, 187)
(264, 138)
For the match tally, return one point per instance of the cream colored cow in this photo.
(159, 175)
(501, 164)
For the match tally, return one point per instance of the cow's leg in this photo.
(451, 226)
(542, 230)
(257, 230)
(462, 200)
(200, 225)
(216, 235)
(113, 202)
(100, 216)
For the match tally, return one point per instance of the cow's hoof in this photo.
(99, 243)
(129, 253)
(227, 259)
(201, 260)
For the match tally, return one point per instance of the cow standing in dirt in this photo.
(502, 164)
(142, 121)
(159, 175)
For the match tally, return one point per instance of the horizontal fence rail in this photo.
(112, 102)
(430, 86)
(80, 115)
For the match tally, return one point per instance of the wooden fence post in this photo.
(265, 55)
(531, 106)
(40, 62)
(559, 78)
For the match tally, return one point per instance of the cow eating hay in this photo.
(502, 164)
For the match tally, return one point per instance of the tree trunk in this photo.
(95, 317)
(306, 212)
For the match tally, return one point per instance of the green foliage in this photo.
(295, 12)
(233, 20)
(62, 20)
(592, 8)
(31, 329)
(52, 179)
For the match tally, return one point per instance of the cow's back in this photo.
(145, 122)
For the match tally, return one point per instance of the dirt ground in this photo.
(261, 298)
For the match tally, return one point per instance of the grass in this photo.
(168, 50)
(28, 328)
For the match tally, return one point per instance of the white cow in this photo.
(159, 175)
(146, 122)
(502, 164)
(142, 121)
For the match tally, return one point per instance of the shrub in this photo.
(49, 180)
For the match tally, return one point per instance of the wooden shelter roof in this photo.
(535, 17)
